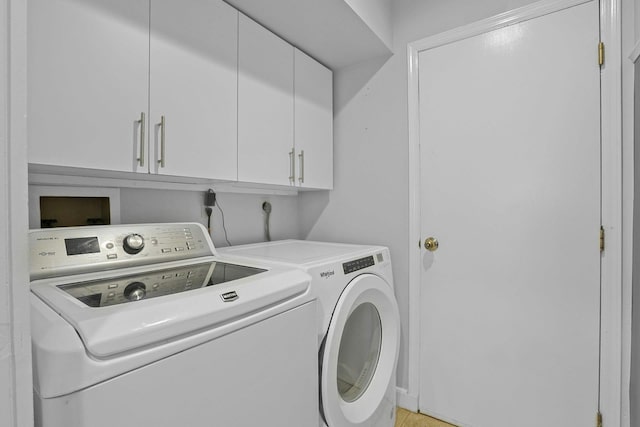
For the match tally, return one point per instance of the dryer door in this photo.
(360, 352)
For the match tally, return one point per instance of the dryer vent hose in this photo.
(266, 207)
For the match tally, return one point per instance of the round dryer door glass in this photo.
(357, 377)
(359, 351)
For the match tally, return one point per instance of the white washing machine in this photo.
(145, 325)
(358, 325)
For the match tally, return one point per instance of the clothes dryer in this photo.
(358, 325)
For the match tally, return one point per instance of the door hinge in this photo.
(601, 239)
(598, 419)
(601, 54)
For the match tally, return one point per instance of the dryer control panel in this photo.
(359, 264)
(64, 251)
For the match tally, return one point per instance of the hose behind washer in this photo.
(266, 207)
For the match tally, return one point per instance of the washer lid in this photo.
(108, 330)
(360, 352)
(156, 283)
(297, 252)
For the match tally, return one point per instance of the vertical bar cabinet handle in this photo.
(162, 159)
(292, 166)
(142, 133)
(301, 158)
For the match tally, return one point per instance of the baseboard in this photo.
(405, 400)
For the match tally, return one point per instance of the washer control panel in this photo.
(133, 243)
(63, 251)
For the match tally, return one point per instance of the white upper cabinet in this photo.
(170, 88)
(101, 69)
(285, 112)
(265, 106)
(87, 82)
(313, 96)
(193, 85)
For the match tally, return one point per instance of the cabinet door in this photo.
(193, 84)
(87, 82)
(265, 106)
(313, 123)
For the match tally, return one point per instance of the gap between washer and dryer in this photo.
(406, 418)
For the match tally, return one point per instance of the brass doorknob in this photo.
(431, 244)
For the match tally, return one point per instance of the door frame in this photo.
(611, 342)
(15, 339)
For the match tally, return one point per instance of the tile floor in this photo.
(406, 418)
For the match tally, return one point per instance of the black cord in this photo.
(223, 226)
(209, 211)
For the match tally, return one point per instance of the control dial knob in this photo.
(133, 243)
(135, 291)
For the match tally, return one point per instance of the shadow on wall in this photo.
(311, 205)
(319, 208)
(345, 89)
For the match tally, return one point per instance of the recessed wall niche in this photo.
(74, 211)
(60, 206)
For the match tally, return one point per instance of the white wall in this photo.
(15, 342)
(244, 217)
(370, 201)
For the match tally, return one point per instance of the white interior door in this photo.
(510, 186)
